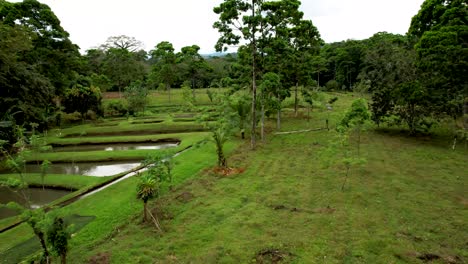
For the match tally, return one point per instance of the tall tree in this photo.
(240, 19)
(440, 30)
(388, 63)
(123, 42)
(192, 63)
(164, 62)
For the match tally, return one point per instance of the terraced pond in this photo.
(116, 147)
(37, 196)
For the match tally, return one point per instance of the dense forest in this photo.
(417, 78)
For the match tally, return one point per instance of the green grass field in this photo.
(407, 204)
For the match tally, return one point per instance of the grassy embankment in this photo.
(143, 127)
(407, 204)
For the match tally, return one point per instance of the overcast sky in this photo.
(188, 22)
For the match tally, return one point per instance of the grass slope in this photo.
(408, 202)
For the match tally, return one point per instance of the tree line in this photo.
(412, 79)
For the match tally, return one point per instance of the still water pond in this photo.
(121, 146)
(97, 169)
(37, 196)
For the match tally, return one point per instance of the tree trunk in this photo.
(168, 89)
(263, 122)
(63, 258)
(295, 99)
(318, 81)
(40, 235)
(254, 84)
(221, 159)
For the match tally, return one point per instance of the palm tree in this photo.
(220, 137)
(147, 188)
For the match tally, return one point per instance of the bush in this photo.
(332, 85)
(115, 108)
(71, 118)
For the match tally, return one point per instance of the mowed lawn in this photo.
(407, 204)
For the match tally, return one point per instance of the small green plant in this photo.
(57, 237)
(148, 187)
(189, 98)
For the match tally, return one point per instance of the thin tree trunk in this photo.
(254, 84)
(318, 80)
(168, 88)
(40, 235)
(295, 99)
(263, 122)
(63, 258)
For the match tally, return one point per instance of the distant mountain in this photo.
(215, 54)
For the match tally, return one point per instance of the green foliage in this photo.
(45, 165)
(148, 188)
(441, 32)
(163, 71)
(115, 108)
(332, 85)
(358, 115)
(189, 99)
(192, 64)
(58, 236)
(123, 67)
(137, 97)
(82, 97)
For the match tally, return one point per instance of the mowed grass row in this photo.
(407, 203)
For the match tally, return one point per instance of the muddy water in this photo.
(117, 146)
(37, 196)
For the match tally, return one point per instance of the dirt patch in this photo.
(273, 256)
(100, 258)
(161, 214)
(426, 257)
(220, 171)
(325, 210)
(185, 197)
(453, 259)
(463, 201)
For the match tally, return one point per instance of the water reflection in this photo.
(37, 196)
(117, 147)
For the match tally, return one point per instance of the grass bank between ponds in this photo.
(115, 205)
(132, 129)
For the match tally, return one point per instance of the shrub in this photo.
(115, 108)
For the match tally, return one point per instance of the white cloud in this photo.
(188, 22)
